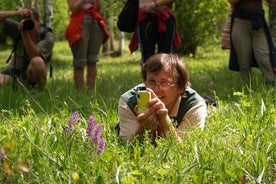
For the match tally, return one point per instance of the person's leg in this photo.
(262, 54)
(79, 77)
(37, 72)
(5, 79)
(79, 54)
(242, 43)
(165, 39)
(95, 42)
(91, 76)
(147, 35)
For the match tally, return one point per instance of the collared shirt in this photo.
(129, 124)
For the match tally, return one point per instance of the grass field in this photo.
(237, 146)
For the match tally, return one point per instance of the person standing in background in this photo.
(155, 25)
(85, 33)
(272, 21)
(251, 41)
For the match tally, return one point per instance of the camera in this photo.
(28, 24)
(143, 97)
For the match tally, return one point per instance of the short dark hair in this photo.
(172, 63)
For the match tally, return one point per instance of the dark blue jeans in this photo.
(149, 37)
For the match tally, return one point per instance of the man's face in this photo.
(37, 23)
(167, 96)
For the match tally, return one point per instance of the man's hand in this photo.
(20, 26)
(24, 13)
(156, 118)
(147, 120)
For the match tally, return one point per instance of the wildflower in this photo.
(72, 121)
(97, 133)
(6, 166)
(101, 146)
(2, 156)
(9, 146)
(75, 176)
(94, 134)
(7, 169)
(91, 124)
(22, 166)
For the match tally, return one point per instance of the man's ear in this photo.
(181, 90)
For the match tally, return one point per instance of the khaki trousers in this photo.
(248, 42)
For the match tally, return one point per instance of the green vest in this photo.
(190, 99)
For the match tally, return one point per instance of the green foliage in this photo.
(7, 5)
(61, 16)
(199, 22)
(237, 145)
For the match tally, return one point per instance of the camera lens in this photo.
(28, 24)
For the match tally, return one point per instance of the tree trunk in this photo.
(121, 43)
(48, 13)
(272, 20)
(21, 3)
(27, 3)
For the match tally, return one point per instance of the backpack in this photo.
(49, 60)
(127, 18)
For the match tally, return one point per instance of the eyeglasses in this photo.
(161, 85)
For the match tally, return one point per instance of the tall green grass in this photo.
(237, 145)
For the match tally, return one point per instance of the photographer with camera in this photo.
(33, 45)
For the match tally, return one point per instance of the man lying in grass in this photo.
(172, 100)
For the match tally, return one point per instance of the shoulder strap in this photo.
(16, 40)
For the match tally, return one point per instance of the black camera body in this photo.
(28, 24)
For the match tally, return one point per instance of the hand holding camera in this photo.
(28, 23)
(154, 114)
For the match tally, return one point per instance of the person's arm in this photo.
(195, 116)
(7, 14)
(46, 45)
(29, 42)
(161, 2)
(98, 5)
(75, 5)
(154, 4)
(158, 116)
(129, 126)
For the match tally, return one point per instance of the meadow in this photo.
(237, 146)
